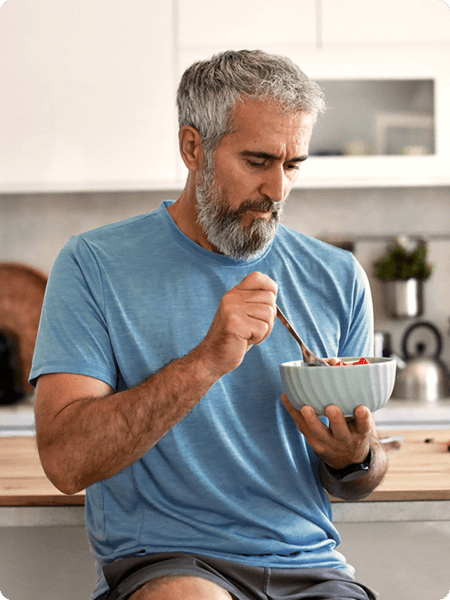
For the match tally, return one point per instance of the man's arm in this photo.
(86, 432)
(344, 442)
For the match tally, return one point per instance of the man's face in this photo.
(240, 198)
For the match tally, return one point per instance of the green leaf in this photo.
(401, 265)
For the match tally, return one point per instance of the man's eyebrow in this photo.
(268, 156)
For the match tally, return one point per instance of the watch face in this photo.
(355, 474)
(352, 472)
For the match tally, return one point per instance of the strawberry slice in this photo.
(361, 361)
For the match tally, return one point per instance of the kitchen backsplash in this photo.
(33, 228)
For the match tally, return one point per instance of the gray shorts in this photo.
(245, 582)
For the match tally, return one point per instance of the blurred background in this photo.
(88, 136)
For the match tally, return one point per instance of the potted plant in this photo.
(403, 273)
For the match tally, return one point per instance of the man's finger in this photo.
(363, 420)
(296, 415)
(258, 281)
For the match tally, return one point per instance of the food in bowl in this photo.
(368, 384)
(343, 363)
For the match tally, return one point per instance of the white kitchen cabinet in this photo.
(347, 40)
(87, 95)
(363, 22)
(205, 28)
(427, 62)
(87, 91)
(250, 24)
(384, 40)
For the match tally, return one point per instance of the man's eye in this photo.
(256, 163)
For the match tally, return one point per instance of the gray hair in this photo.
(209, 90)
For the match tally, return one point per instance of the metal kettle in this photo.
(422, 377)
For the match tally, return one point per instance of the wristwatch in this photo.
(351, 472)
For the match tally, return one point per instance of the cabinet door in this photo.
(390, 62)
(384, 21)
(87, 95)
(246, 24)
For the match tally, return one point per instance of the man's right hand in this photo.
(82, 422)
(246, 316)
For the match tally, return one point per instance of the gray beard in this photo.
(222, 225)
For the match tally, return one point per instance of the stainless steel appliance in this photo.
(424, 376)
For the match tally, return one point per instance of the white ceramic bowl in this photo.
(344, 386)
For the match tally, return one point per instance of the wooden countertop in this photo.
(418, 471)
(22, 478)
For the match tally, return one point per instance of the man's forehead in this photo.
(257, 116)
(263, 130)
(249, 106)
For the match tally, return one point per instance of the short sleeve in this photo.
(358, 340)
(73, 333)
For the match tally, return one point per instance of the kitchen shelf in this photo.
(387, 64)
(376, 117)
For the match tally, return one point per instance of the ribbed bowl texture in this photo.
(344, 386)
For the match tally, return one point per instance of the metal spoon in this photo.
(310, 359)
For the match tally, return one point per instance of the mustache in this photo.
(263, 205)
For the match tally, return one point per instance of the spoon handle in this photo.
(309, 357)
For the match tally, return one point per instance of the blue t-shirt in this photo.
(235, 479)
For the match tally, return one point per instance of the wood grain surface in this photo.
(419, 470)
(22, 478)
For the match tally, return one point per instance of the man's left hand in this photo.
(344, 442)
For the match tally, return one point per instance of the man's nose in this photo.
(275, 185)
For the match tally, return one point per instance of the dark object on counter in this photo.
(423, 377)
(22, 290)
(428, 440)
(11, 390)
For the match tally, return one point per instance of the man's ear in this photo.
(191, 147)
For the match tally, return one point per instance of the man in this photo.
(157, 360)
